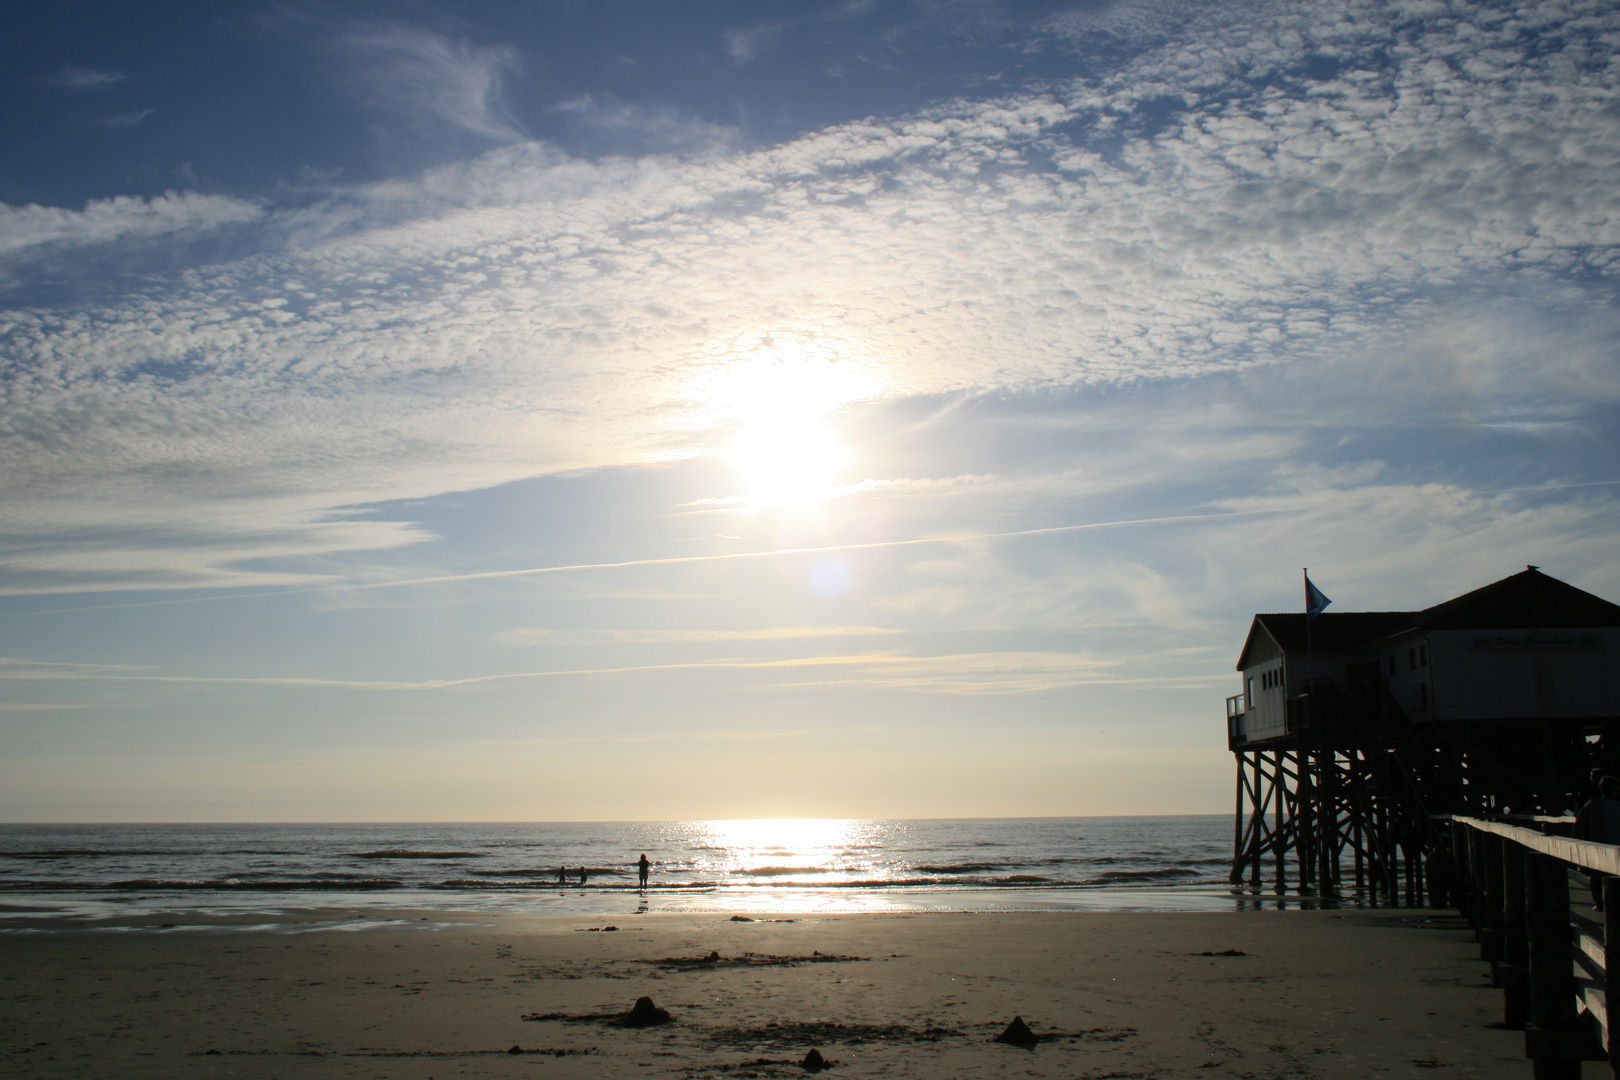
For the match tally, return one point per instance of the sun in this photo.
(788, 460)
(780, 397)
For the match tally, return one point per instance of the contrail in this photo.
(671, 560)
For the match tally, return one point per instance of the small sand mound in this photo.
(645, 1014)
(1018, 1034)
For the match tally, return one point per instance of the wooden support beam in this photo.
(1552, 1034)
(1515, 942)
(1611, 969)
(1495, 901)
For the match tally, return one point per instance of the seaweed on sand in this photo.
(715, 960)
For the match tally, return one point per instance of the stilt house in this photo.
(1353, 727)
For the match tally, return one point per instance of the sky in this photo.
(628, 410)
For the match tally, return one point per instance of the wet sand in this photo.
(434, 994)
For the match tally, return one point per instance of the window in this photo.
(1423, 656)
(1249, 696)
(1411, 659)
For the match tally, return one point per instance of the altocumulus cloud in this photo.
(107, 220)
(1254, 189)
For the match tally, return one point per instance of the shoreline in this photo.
(332, 992)
(81, 905)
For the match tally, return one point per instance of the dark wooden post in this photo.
(1611, 968)
(1490, 932)
(1551, 1034)
(1278, 847)
(1380, 851)
(1375, 842)
(1259, 818)
(1459, 867)
(1513, 973)
(1327, 828)
(1305, 820)
(1476, 910)
(1392, 839)
(1358, 841)
(1412, 855)
(1236, 877)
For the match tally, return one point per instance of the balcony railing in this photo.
(1236, 706)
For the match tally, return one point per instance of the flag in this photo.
(1315, 602)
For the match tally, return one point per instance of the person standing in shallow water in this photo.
(645, 867)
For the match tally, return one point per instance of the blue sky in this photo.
(637, 410)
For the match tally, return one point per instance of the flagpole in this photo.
(1310, 662)
(1323, 884)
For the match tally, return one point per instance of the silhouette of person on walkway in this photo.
(1591, 790)
(1599, 820)
(645, 867)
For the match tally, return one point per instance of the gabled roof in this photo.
(1526, 600)
(1330, 632)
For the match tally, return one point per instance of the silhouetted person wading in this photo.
(645, 867)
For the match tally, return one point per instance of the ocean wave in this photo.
(261, 884)
(784, 871)
(962, 868)
(1145, 875)
(203, 885)
(954, 884)
(77, 853)
(551, 873)
(409, 853)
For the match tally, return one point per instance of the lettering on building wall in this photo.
(1532, 641)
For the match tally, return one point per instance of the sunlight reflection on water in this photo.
(755, 866)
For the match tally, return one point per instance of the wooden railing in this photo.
(1552, 958)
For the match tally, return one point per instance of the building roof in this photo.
(1330, 632)
(1526, 600)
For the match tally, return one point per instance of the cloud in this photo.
(409, 72)
(106, 220)
(537, 636)
(125, 120)
(976, 673)
(624, 128)
(83, 78)
(15, 667)
(746, 44)
(1212, 203)
(849, 9)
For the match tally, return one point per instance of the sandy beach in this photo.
(434, 994)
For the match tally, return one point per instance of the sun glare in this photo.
(788, 461)
(781, 395)
(757, 841)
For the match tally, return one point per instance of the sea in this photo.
(89, 871)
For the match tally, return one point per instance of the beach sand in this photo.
(1117, 995)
